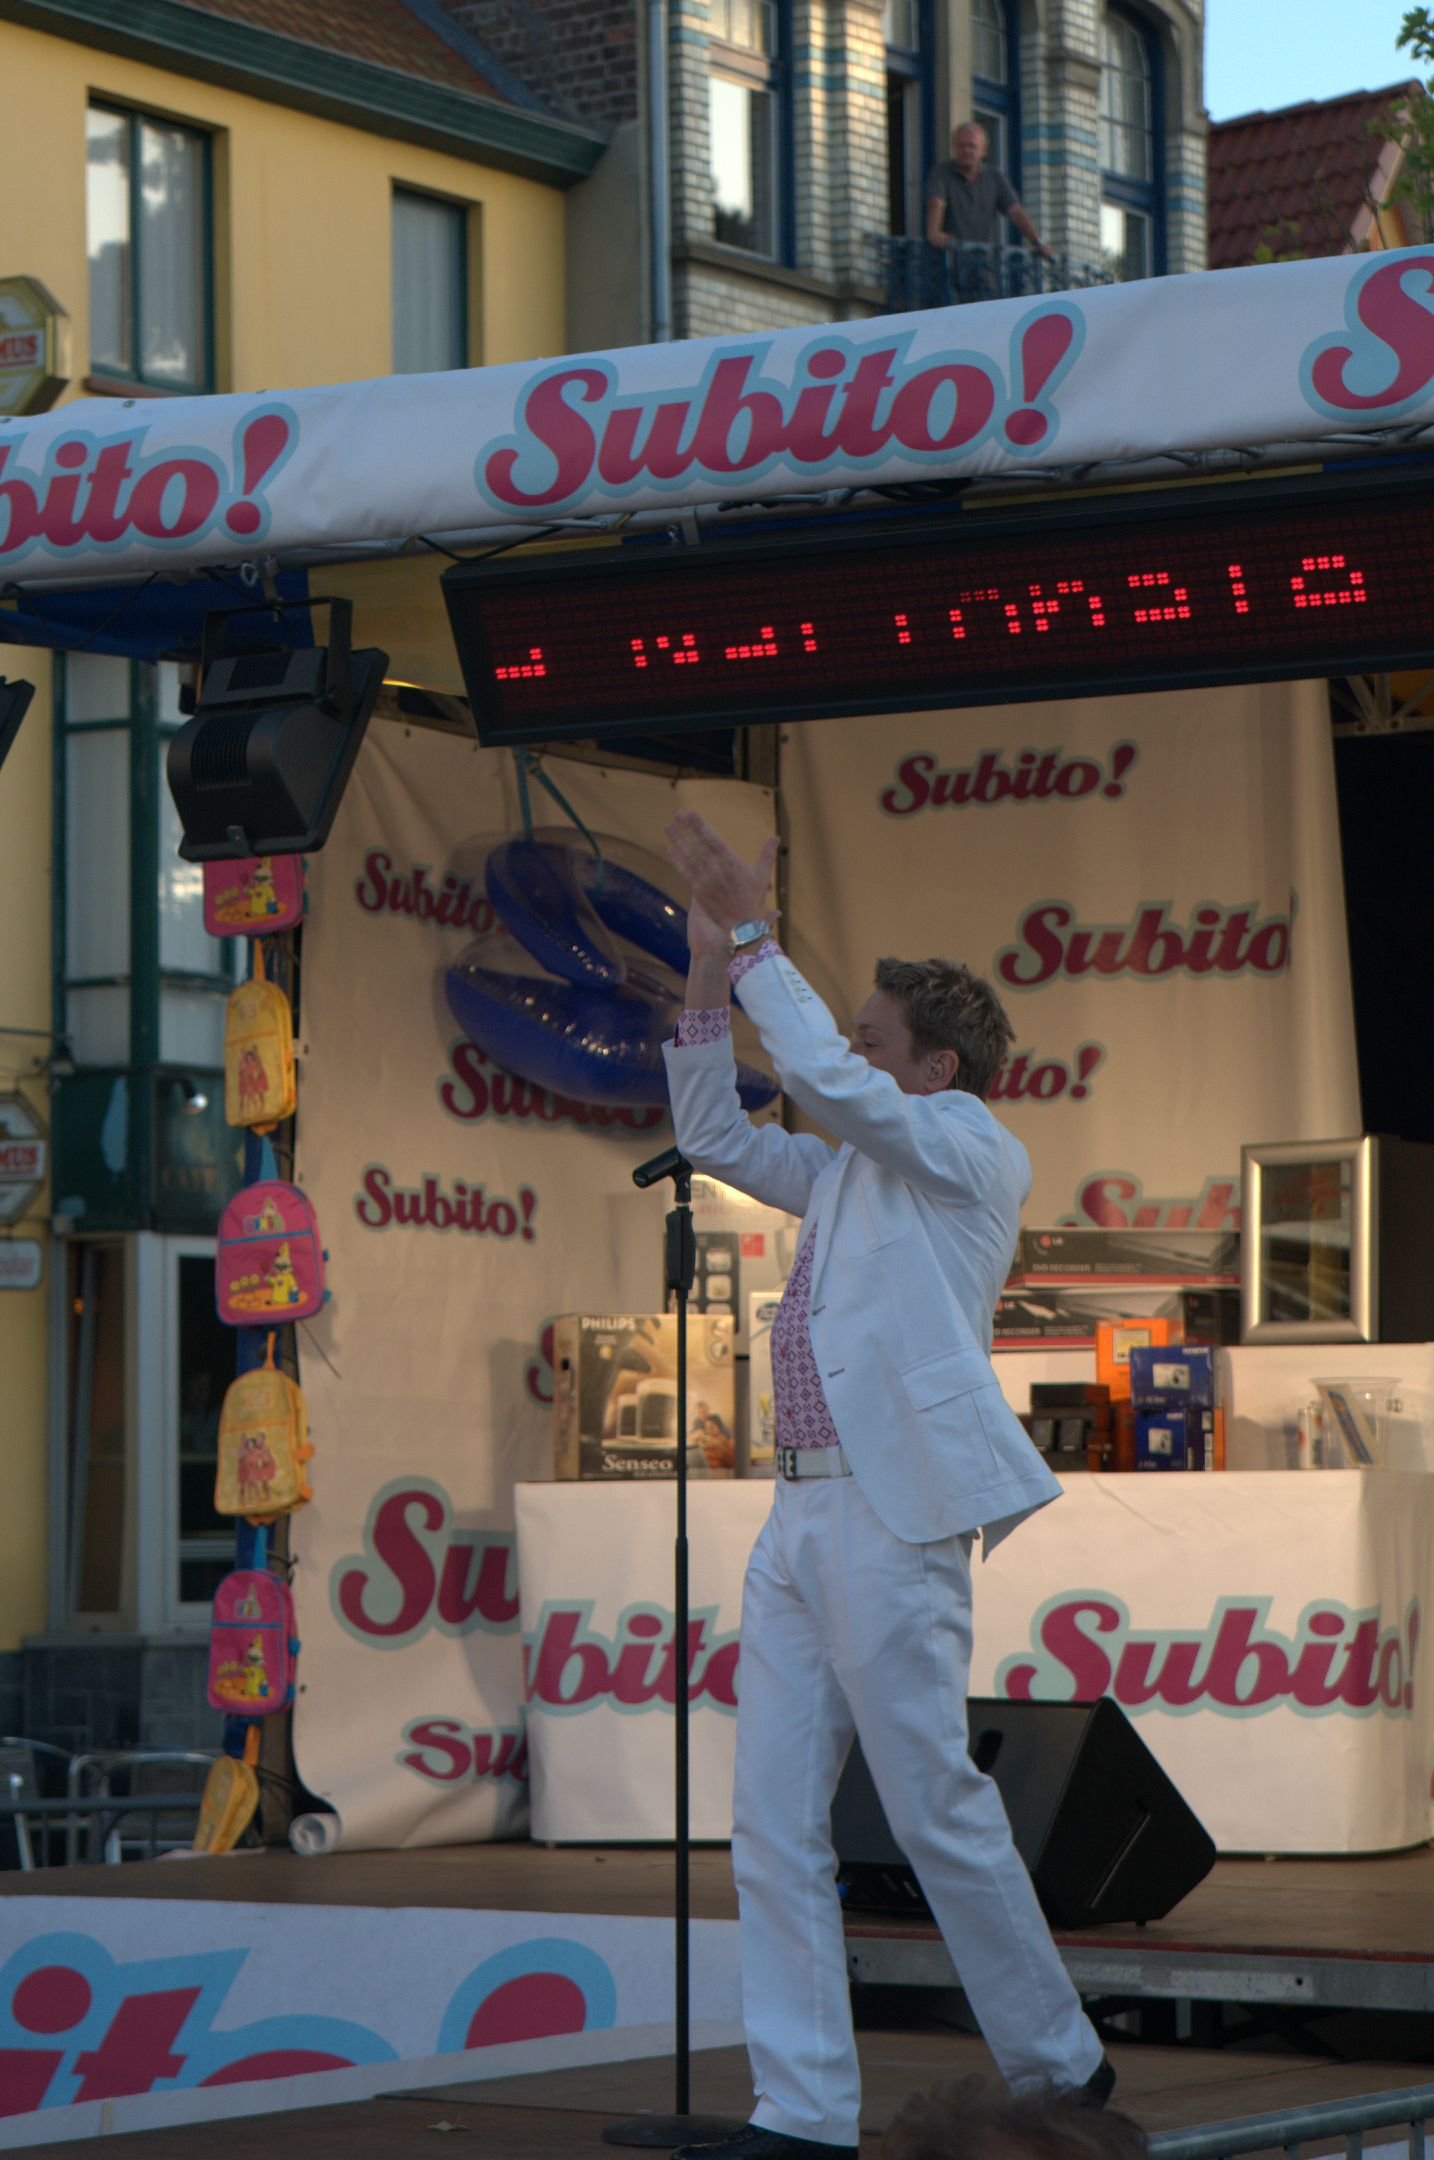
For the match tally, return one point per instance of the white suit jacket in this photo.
(916, 1219)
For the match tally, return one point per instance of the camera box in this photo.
(1162, 1439)
(761, 1433)
(1145, 1256)
(742, 1248)
(615, 1408)
(1177, 1375)
(1116, 1338)
(1171, 1438)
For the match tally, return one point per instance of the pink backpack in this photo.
(269, 1263)
(254, 895)
(252, 1645)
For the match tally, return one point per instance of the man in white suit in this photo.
(894, 1447)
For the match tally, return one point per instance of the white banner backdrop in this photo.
(1152, 884)
(1262, 1631)
(1287, 352)
(460, 1213)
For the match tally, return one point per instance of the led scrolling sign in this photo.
(1284, 578)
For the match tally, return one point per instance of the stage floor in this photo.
(1326, 1918)
(560, 2116)
(1277, 1936)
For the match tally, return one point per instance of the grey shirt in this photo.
(972, 208)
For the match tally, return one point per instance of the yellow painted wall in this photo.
(24, 1003)
(302, 216)
(303, 295)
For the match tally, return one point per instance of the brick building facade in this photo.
(799, 132)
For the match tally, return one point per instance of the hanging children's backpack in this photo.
(263, 1445)
(253, 1645)
(269, 1262)
(259, 1087)
(256, 896)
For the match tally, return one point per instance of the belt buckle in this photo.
(786, 1462)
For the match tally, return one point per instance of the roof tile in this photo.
(381, 31)
(1296, 179)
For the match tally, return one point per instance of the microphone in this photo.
(671, 1163)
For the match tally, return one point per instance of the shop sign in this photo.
(20, 1263)
(24, 1157)
(34, 346)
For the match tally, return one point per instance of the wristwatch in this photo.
(748, 933)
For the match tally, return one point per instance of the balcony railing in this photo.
(914, 274)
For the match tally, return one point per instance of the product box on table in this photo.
(1079, 1255)
(1175, 1438)
(615, 1408)
(1179, 1374)
(1066, 1316)
(761, 1435)
(742, 1247)
(1209, 1313)
(1161, 1440)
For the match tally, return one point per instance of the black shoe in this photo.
(1098, 2087)
(754, 2143)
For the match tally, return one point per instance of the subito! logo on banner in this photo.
(1338, 1662)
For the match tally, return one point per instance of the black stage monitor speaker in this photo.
(1104, 1833)
(261, 766)
(14, 698)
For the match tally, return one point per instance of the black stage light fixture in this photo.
(14, 699)
(261, 766)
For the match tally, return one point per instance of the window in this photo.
(115, 930)
(147, 218)
(96, 1454)
(746, 126)
(147, 1361)
(1131, 234)
(909, 117)
(430, 283)
(995, 84)
(199, 1363)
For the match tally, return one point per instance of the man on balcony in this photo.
(965, 201)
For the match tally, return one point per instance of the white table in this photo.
(1261, 1629)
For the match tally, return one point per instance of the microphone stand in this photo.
(654, 2131)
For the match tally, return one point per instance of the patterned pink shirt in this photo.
(802, 1417)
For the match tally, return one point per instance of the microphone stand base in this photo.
(660, 2133)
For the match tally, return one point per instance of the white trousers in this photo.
(846, 1630)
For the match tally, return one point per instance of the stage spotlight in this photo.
(14, 697)
(261, 766)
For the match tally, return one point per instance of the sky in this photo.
(1268, 53)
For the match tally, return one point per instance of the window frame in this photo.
(149, 730)
(1002, 101)
(463, 212)
(103, 374)
(769, 72)
(911, 74)
(1145, 197)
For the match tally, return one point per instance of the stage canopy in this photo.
(122, 523)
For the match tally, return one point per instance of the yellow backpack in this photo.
(259, 1088)
(263, 1445)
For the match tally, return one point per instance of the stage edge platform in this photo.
(1356, 1981)
(1336, 1934)
(227, 1985)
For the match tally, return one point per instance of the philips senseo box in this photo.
(615, 1406)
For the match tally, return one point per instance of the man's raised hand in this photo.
(726, 890)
